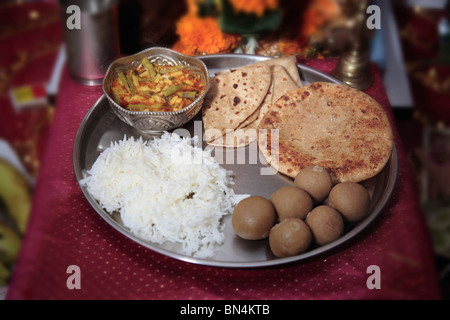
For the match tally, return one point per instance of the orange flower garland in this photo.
(318, 12)
(257, 7)
(313, 19)
(202, 35)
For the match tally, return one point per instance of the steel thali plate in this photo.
(100, 127)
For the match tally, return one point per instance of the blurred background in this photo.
(410, 46)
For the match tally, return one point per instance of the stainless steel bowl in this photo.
(150, 121)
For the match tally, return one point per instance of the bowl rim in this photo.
(158, 113)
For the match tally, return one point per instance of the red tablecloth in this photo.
(64, 230)
(30, 38)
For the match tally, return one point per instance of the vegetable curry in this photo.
(157, 87)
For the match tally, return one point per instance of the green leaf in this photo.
(208, 8)
(230, 22)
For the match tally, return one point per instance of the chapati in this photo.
(281, 83)
(233, 97)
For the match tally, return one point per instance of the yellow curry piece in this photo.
(157, 87)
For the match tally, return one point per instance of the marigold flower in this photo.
(192, 6)
(257, 7)
(202, 35)
(318, 12)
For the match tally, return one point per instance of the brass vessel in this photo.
(353, 67)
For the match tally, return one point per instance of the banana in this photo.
(5, 274)
(15, 193)
(10, 242)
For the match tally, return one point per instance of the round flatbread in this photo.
(246, 132)
(233, 97)
(331, 125)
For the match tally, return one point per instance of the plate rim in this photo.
(321, 250)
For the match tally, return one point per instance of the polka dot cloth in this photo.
(64, 230)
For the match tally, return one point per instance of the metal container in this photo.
(91, 36)
(150, 121)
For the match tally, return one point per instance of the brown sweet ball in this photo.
(291, 202)
(289, 237)
(351, 199)
(315, 180)
(326, 224)
(253, 217)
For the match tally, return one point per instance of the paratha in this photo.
(331, 125)
(233, 97)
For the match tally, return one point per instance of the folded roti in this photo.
(233, 97)
(289, 63)
(243, 135)
(331, 125)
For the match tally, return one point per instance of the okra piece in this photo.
(150, 67)
(140, 107)
(171, 90)
(116, 96)
(131, 85)
(147, 94)
(186, 94)
(177, 107)
(135, 78)
(154, 95)
(157, 105)
(124, 81)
